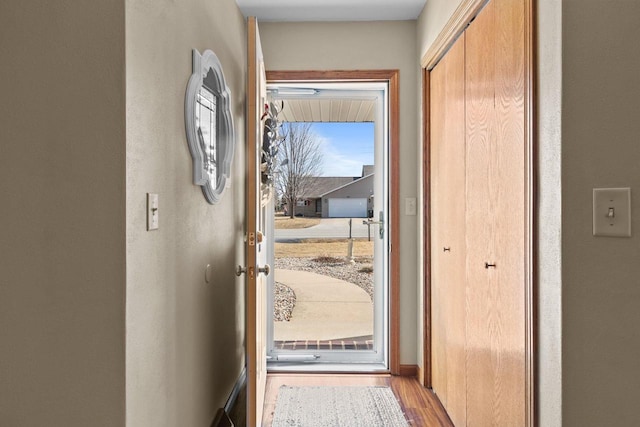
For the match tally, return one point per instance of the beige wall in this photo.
(433, 18)
(69, 230)
(549, 212)
(549, 196)
(184, 336)
(62, 213)
(365, 45)
(601, 285)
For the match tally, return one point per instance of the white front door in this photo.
(337, 342)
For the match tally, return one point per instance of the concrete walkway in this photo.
(326, 308)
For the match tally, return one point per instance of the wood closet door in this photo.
(495, 221)
(448, 224)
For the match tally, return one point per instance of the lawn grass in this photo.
(324, 247)
(284, 222)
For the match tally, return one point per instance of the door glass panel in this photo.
(329, 291)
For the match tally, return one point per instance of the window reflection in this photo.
(206, 122)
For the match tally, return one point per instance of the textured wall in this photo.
(365, 45)
(184, 336)
(601, 292)
(549, 211)
(62, 213)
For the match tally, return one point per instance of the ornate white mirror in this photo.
(209, 125)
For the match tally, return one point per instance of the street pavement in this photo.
(329, 228)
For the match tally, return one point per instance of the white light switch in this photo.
(612, 212)
(152, 211)
(410, 206)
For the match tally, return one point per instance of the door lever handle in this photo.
(487, 265)
(380, 223)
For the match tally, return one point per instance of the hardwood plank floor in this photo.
(420, 406)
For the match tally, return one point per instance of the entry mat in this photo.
(353, 406)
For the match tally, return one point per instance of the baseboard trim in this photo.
(222, 419)
(409, 371)
(242, 379)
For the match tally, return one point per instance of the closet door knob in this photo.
(446, 249)
(487, 265)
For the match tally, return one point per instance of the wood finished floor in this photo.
(420, 406)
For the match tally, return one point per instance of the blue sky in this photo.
(345, 146)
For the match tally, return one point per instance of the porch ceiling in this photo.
(328, 110)
(332, 10)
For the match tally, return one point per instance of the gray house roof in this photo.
(355, 182)
(323, 184)
(326, 184)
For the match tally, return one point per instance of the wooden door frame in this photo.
(461, 18)
(392, 77)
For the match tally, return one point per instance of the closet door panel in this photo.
(438, 133)
(510, 206)
(454, 225)
(495, 216)
(448, 248)
(482, 320)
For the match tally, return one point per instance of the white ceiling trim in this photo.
(332, 10)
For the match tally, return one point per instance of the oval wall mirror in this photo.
(209, 125)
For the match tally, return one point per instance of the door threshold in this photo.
(328, 368)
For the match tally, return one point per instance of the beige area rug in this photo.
(369, 406)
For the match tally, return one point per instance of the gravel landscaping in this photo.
(284, 301)
(359, 273)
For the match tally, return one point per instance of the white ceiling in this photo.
(332, 10)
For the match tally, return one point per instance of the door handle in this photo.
(266, 269)
(380, 223)
(240, 270)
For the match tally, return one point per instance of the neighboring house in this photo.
(352, 200)
(309, 203)
(338, 197)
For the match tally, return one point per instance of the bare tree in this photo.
(300, 160)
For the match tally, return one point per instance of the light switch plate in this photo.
(410, 206)
(152, 211)
(612, 212)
